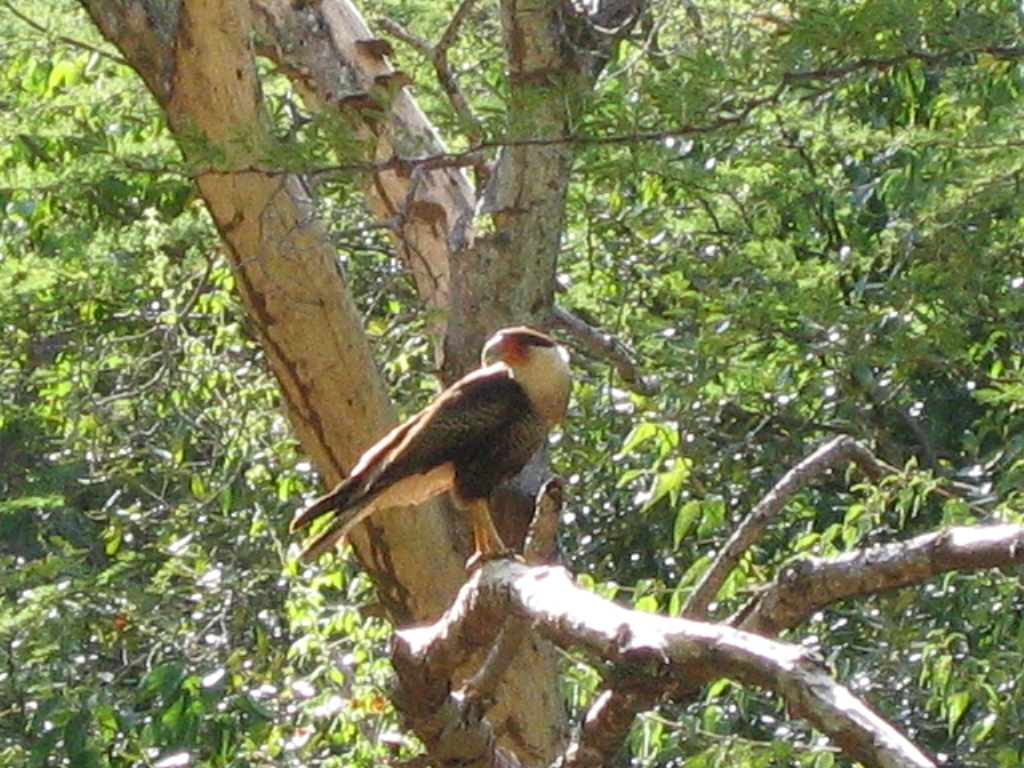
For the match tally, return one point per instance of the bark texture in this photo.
(510, 272)
(199, 61)
(809, 584)
(653, 653)
(343, 69)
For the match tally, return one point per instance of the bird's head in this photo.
(537, 362)
(515, 346)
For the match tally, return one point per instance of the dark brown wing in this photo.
(464, 422)
(467, 420)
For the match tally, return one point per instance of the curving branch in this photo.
(835, 452)
(809, 584)
(606, 347)
(606, 725)
(842, 449)
(438, 56)
(656, 654)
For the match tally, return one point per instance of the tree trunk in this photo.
(199, 60)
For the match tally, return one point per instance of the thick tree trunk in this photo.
(198, 59)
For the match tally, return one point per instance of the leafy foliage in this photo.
(805, 219)
(149, 616)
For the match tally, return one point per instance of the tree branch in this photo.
(485, 681)
(657, 653)
(438, 56)
(808, 584)
(606, 347)
(341, 68)
(837, 451)
(605, 726)
(63, 38)
(940, 57)
(396, 30)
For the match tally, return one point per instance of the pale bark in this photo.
(341, 68)
(654, 653)
(809, 584)
(198, 60)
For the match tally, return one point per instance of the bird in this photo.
(477, 433)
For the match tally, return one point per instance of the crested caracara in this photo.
(480, 431)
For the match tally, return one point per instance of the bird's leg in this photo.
(486, 539)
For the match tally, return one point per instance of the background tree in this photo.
(805, 220)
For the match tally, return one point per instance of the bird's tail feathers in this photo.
(335, 531)
(344, 495)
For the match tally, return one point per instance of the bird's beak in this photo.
(491, 353)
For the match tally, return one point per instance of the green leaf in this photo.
(956, 708)
(162, 681)
(686, 518)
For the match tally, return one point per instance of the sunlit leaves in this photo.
(842, 255)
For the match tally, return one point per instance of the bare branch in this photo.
(395, 29)
(808, 584)
(656, 652)
(483, 684)
(877, 64)
(607, 347)
(541, 544)
(451, 33)
(438, 56)
(450, 725)
(63, 38)
(605, 727)
(837, 451)
(445, 75)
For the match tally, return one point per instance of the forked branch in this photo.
(438, 56)
(606, 347)
(658, 654)
(841, 450)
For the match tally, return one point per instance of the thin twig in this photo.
(451, 32)
(940, 57)
(446, 76)
(472, 155)
(64, 38)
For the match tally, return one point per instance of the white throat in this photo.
(546, 378)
